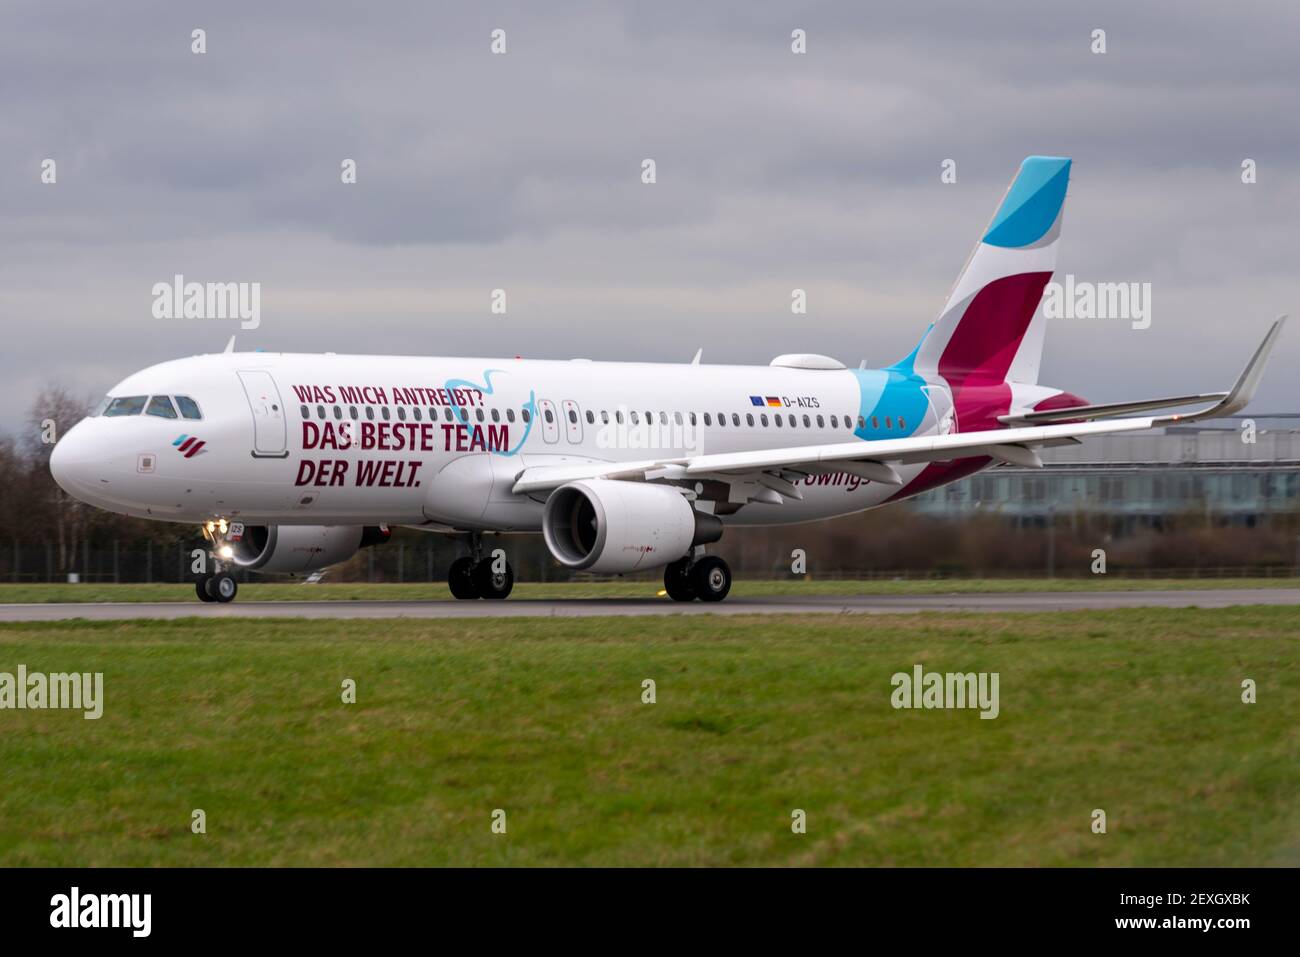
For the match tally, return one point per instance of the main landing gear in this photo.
(707, 578)
(479, 576)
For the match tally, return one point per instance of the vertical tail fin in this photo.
(987, 332)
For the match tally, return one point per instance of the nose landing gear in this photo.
(219, 585)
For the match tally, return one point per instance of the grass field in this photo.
(284, 591)
(1137, 712)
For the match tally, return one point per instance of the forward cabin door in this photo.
(270, 433)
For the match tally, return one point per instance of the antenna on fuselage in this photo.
(698, 352)
(230, 346)
(862, 364)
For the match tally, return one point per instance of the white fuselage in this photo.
(333, 439)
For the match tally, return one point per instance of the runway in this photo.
(585, 608)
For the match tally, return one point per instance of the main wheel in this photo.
(677, 580)
(201, 588)
(460, 578)
(222, 587)
(711, 578)
(493, 584)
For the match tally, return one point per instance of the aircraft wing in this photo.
(1224, 403)
(777, 470)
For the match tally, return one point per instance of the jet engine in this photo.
(604, 526)
(299, 548)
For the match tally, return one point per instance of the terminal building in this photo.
(1239, 470)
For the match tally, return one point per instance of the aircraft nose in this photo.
(69, 461)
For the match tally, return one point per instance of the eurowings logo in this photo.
(188, 445)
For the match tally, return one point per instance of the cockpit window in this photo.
(101, 406)
(126, 405)
(161, 406)
(189, 408)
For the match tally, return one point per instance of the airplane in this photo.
(290, 463)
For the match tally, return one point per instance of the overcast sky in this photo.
(775, 171)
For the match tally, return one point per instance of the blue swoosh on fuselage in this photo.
(486, 388)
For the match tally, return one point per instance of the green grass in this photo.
(284, 591)
(1136, 711)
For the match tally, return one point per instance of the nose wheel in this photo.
(221, 588)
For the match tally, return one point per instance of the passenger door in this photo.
(270, 433)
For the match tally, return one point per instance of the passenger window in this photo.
(416, 412)
(663, 418)
(618, 416)
(763, 418)
(352, 412)
(496, 415)
(848, 422)
(549, 417)
(692, 418)
(306, 413)
(189, 408)
(478, 414)
(320, 411)
(900, 423)
(464, 414)
(735, 419)
(384, 413)
(338, 413)
(591, 417)
(807, 422)
(707, 420)
(835, 423)
(161, 406)
(889, 423)
(370, 412)
(862, 423)
(677, 417)
(401, 413)
(776, 417)
(604, 417)
(510, 415)
(446, 413)
(821, 423)
(527, 415)
(635, 418)
(573, 417)
(749, 417)
(875, 421)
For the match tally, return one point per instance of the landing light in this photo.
(227, 551)
(222, 526)
(661, 592)
(211, 526)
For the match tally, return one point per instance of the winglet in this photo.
(1247, 382)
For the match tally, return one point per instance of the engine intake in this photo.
(604, 526)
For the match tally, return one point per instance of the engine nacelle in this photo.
(299, 548)
(603, 526)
